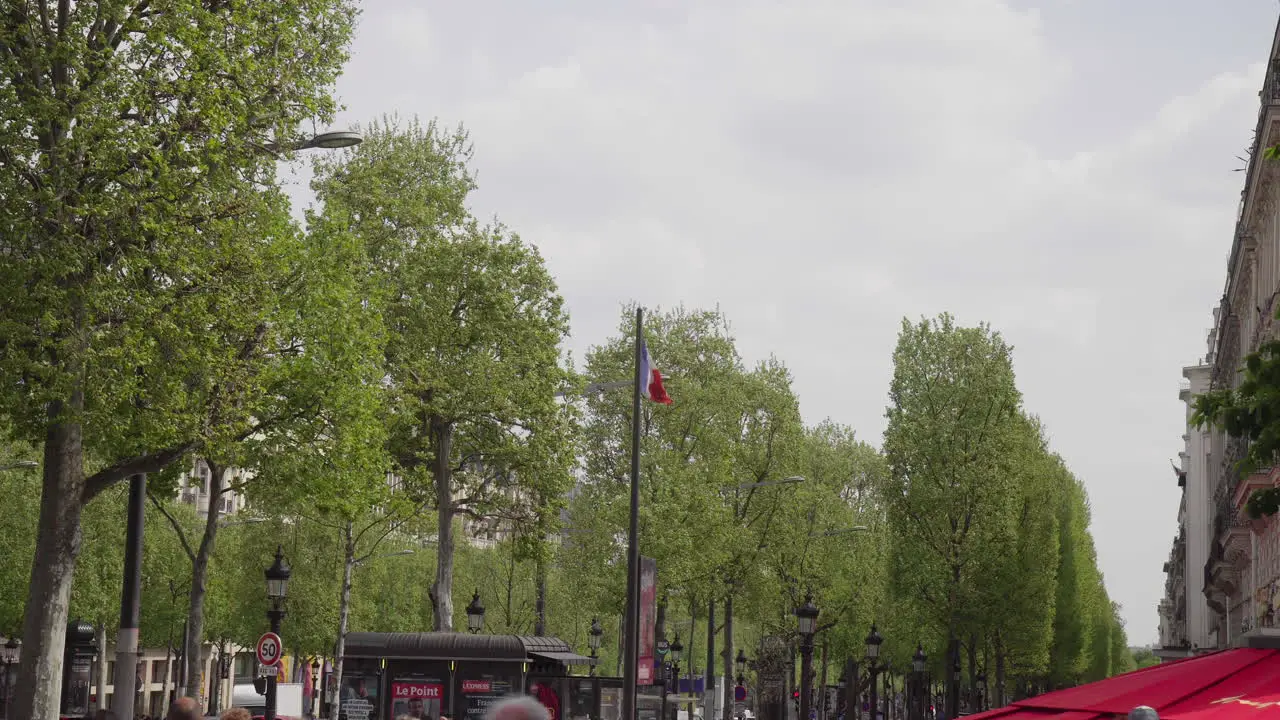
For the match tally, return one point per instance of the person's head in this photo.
(235, 714)
(185, 708)
(1144, 712)
(415, 706)
(518, 707)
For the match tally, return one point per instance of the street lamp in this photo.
(677, 652)
(807, 622)
(475, 614)
(741, 663)
(593, 642)
(336, 140)
(277, 590)
(981, 682)
(873, 654)
(315, 687)
(9, 656)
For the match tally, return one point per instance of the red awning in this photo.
(1216, 686)
(1253, 692)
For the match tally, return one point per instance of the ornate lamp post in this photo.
(677, 652)
(981, 683)
(277, 590)
(807, 622)
(740, 663)
(593, 641)
(918, 684)
(475, 614)
(315, 687)
(873, 654)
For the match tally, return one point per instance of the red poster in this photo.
(648, 619)
(422, 691)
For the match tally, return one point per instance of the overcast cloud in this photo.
(819, 170)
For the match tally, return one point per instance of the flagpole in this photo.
(631, 646)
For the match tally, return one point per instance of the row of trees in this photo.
(965, 534)
(393, 367)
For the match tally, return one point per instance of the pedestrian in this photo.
(235, 714)
(185, 708)
(516, 707)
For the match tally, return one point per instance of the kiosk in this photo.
(426, 675)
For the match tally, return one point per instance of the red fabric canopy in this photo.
(1217, 686)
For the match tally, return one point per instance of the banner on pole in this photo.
(648, 619)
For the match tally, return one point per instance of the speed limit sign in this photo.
(268, 649)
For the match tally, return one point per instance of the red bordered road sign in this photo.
(269, 649)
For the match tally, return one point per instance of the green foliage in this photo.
(1251, 410)
(1143, 658)
(953, 411)
(142, 232)
(471, 355)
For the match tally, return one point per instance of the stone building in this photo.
(1241, 562)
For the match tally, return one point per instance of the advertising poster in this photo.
(418, 699)
(480, 693)
(648, 619)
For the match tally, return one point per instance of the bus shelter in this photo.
(430, 674)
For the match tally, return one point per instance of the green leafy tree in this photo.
(1121, 659)
(474, 323)
(1016, 598)
(953, 404)
(135, 183)
(1144, 658)
(1068, 654)
(687, 458)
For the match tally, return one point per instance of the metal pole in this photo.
(806, 675)
(709, 687)
(122, 701)
(631, 647)
(872, 704)
(270, 714)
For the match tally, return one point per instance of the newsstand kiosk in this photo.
(427, 675)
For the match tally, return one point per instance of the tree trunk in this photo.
(344, 612)
(822, 684)
(194, 639)
(168, 669)
(441, 473)
(44, 629)
(1001, 700)
(726, 712)
(973, 672)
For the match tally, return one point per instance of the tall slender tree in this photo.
(132, 172)
(953, 405)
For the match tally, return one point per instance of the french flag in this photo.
(650, 378)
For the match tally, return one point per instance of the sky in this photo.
(820, 170)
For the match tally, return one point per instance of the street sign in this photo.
(268, 649)
(268, 670)
(663, 648)
(739, 694)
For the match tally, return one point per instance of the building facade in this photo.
(1233, 563)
